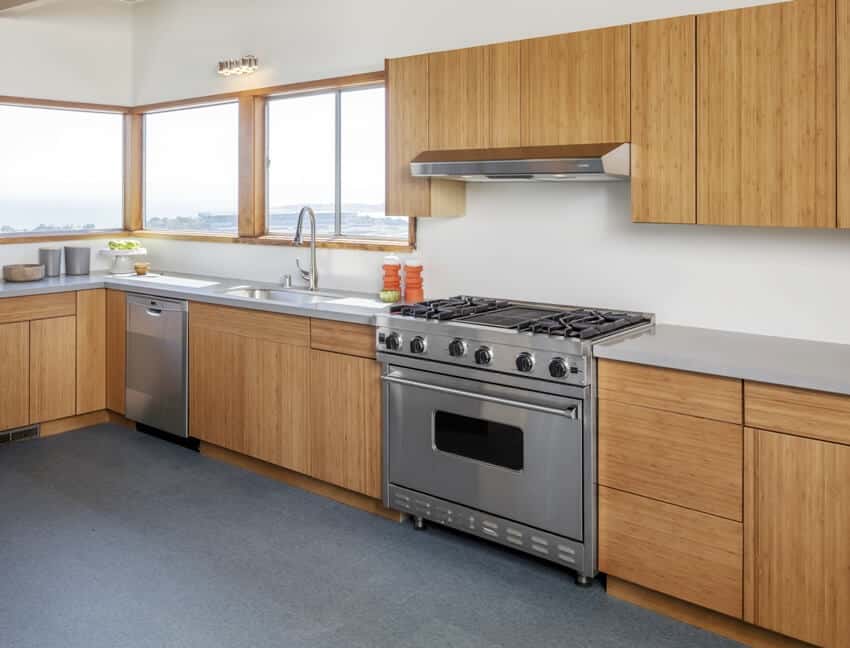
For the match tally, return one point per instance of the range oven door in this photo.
(505, 451)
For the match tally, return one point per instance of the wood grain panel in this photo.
(681, 392)
(692, 462)
(459, 99)
(505, 94)
(133, 171)
(720, 624)
(407, 135)
(53, 370)
(91, 350)
(343, 337)
(116, 350)
(663, 121)
(78, 422)
(285, 329)
(767, 124)
(842, 21)
(789, 519)
(345, 399)
(798, 411)
(277, 424)
(304, 482)
(22, 309)
(575, 88)
(836, 547)
(676, 551)
(220, 375)
(14, 375)
(252, 166)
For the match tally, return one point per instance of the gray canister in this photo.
(51, 259)
(77, 260)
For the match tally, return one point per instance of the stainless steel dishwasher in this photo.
(157, 363)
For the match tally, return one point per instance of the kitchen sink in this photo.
(289, 295)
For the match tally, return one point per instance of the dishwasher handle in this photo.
(156, 305)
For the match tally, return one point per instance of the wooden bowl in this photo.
(23, 272)
(141, 267)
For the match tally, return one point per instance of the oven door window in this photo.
(479, 439)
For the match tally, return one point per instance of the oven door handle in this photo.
(571, 412)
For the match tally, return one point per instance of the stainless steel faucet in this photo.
(311, 276)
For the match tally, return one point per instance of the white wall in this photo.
(178, 42)
(575, 244)
(28, 252)
(77, 50)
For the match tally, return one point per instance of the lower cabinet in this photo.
(345, 434)
(91, 350)
(14, 375)
(263, 385)
(798, 532)
(53, 378)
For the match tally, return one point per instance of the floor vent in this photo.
(20, 434)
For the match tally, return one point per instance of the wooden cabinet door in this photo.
(575, 88)
(53, 375)
(345, 400)
(14, 375)
(407, 135)
(505, 94)
(663, 121)
(459, 99)
(842, 19)
(766, 116)
(116, 350)
(797, 524)
(249, 382)
(91, 350)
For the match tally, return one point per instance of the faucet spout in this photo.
(311, 276)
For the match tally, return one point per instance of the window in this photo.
(191, 168)
(60, 170)
(327, 150)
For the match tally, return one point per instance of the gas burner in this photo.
(583, 323)
(449, 309)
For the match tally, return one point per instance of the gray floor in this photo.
(112, 538)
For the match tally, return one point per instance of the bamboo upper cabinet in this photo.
(474, 98)
(766, 127)
(575, 88)
(663, 121)
(797, 523)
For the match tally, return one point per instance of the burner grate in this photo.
(449, 309)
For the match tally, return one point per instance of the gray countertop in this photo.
(352, 307)
(821, 366)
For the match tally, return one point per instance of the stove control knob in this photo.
(525, 362)
(457, 348)
(483, 355)
(558, 368)
(418, 344)
(393, 342)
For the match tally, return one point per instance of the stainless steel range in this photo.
(490, 420)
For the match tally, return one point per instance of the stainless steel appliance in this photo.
(489, 420)
(569, 163)
(157, 363)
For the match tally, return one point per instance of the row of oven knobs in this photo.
(558, 367)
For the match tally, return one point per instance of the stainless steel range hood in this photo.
(576, 163)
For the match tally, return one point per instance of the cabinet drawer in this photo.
(686, 554)
(683, 392)
(35, 307)
(818, 415)
(342, 337)
(284, 329)
(692, 462)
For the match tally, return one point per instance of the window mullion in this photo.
(338, 166)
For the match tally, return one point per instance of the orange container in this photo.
(413, 291)
(392, 273)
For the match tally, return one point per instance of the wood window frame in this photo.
(252, 228)
(30, 237)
